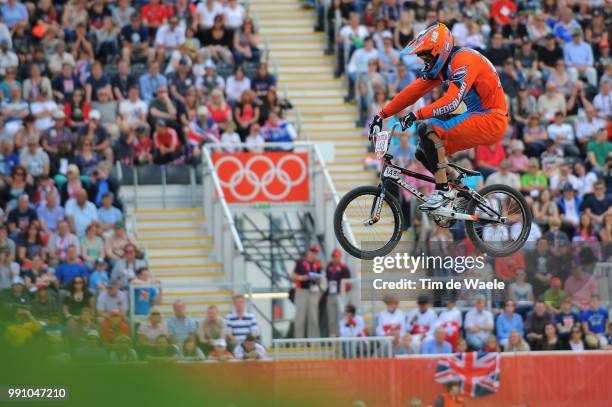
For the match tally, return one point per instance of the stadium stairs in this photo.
(307, 74)
(178, 248)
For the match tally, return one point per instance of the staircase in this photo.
(179, 254)
(308, 75)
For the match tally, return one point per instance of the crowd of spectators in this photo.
(85, 85)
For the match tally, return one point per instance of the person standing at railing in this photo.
(335, 272)
(307, 277)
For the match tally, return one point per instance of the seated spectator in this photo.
(507, 322)
(518, 160)
(594, 323)
(535, 136)
(163, 350)
(134, 38)
(565, 319)
(503, 175)
(81, 213)
(562, 135)
(587, 128)
(163, 108)
(579, 59)
(31, 242)
(122, 351)
(249, 349)
(108, 109)
(551, 102)
(181, 81)
(19, 218)
(554, 296)
(45, 304)
(147, 291)
(16, 295)
(211, 328)
(246, 113)
(124, 269)
(166, 143)
(597, 205)
(278, 130)
(77, 298)
(351, 325)
(61, 242)
(98, 279)
(602, 101)
(50, 212)
(112, 299)
(117, 242)
(598, 151)
(533, 181)
(96, 132)
(150, 329)
(150, 82)
(239, 322)
(190, 352)
(262, 82)
(220, 352)
(205, 13)
(492, 345)
(419, 321)
(218, 40)
(535, 322)
(35, 85)
(545, 209)
(551, 340)
(437, 345)
(516, 343)
(255, 141)
(576, 341)
(132, 110)
(246, 43)
(142, 146)
(34, 158)
(59, 142)
(478, 324)
(91, 352)
(70, 268)
(112, 327)
(109, 215)
(563, 177)
(180, 326)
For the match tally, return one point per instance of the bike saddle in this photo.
(464, 171)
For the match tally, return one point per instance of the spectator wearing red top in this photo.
(488, 158)
(501, 10)
(335, 272)
(307, 277)
(166, 142)
(154, 15)
(112, 327)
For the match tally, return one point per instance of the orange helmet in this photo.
(434, 45)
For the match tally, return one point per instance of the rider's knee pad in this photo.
(427, 146)
(422, 157)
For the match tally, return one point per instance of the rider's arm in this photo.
(457, 89)
(408, 96)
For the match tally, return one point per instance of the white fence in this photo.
(372, 347)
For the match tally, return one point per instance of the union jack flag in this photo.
(476, 372)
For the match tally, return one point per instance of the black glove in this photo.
(407, 120)
(376, 125)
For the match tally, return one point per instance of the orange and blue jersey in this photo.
(472, 79)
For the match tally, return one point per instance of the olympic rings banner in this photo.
(263, 177)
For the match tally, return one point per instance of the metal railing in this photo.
(371, 347)
(228, 244)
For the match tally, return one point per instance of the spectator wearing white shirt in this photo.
(8, 59)
(504, 176)
(249, 349)
(350, 36)
(133, 110)
(419, 321)
(551, 101)
(352, 325)
(169, 37)
(564, 176)
(230, 140)
(234, 14)
(237, 84)
(391, 318)
(206, 12)
(585, 179)
(603, 100)
(579, 59)
(255, 141)
(587, 127)
(81, 212)
(359, 63)
(562, 134)
(478, 324)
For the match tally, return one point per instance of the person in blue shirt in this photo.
(437, 345)
(507, 322)
(146, 292)
(594, 322)
(98, 279)
(150, 81)
(70, 268)
(579, 59)
(13, 13)
(107, 213)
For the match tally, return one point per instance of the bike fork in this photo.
(376, 208)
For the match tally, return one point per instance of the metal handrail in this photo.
(207, 161)
(298, 115)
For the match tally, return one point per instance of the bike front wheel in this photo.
(499, 239)
(355, 230)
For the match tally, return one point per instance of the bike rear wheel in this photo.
(361, 238)
(497, 239)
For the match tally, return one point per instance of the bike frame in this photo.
(394, 174)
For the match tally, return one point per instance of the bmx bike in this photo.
(368, 221)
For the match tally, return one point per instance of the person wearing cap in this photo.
(97, 132)
(211, 79)
(112, 299)
(134, 39)
(478, 324)
(98, 279)
(181, 80)
(249, 349)
(420, 320)
(335, 272)
(220, 352)
(166, 143)
(17, 294)
(307, 277)
(554, 295)
(579, 59)
(59, 141)
(569, 207)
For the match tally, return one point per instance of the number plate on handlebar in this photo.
(382, 143)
